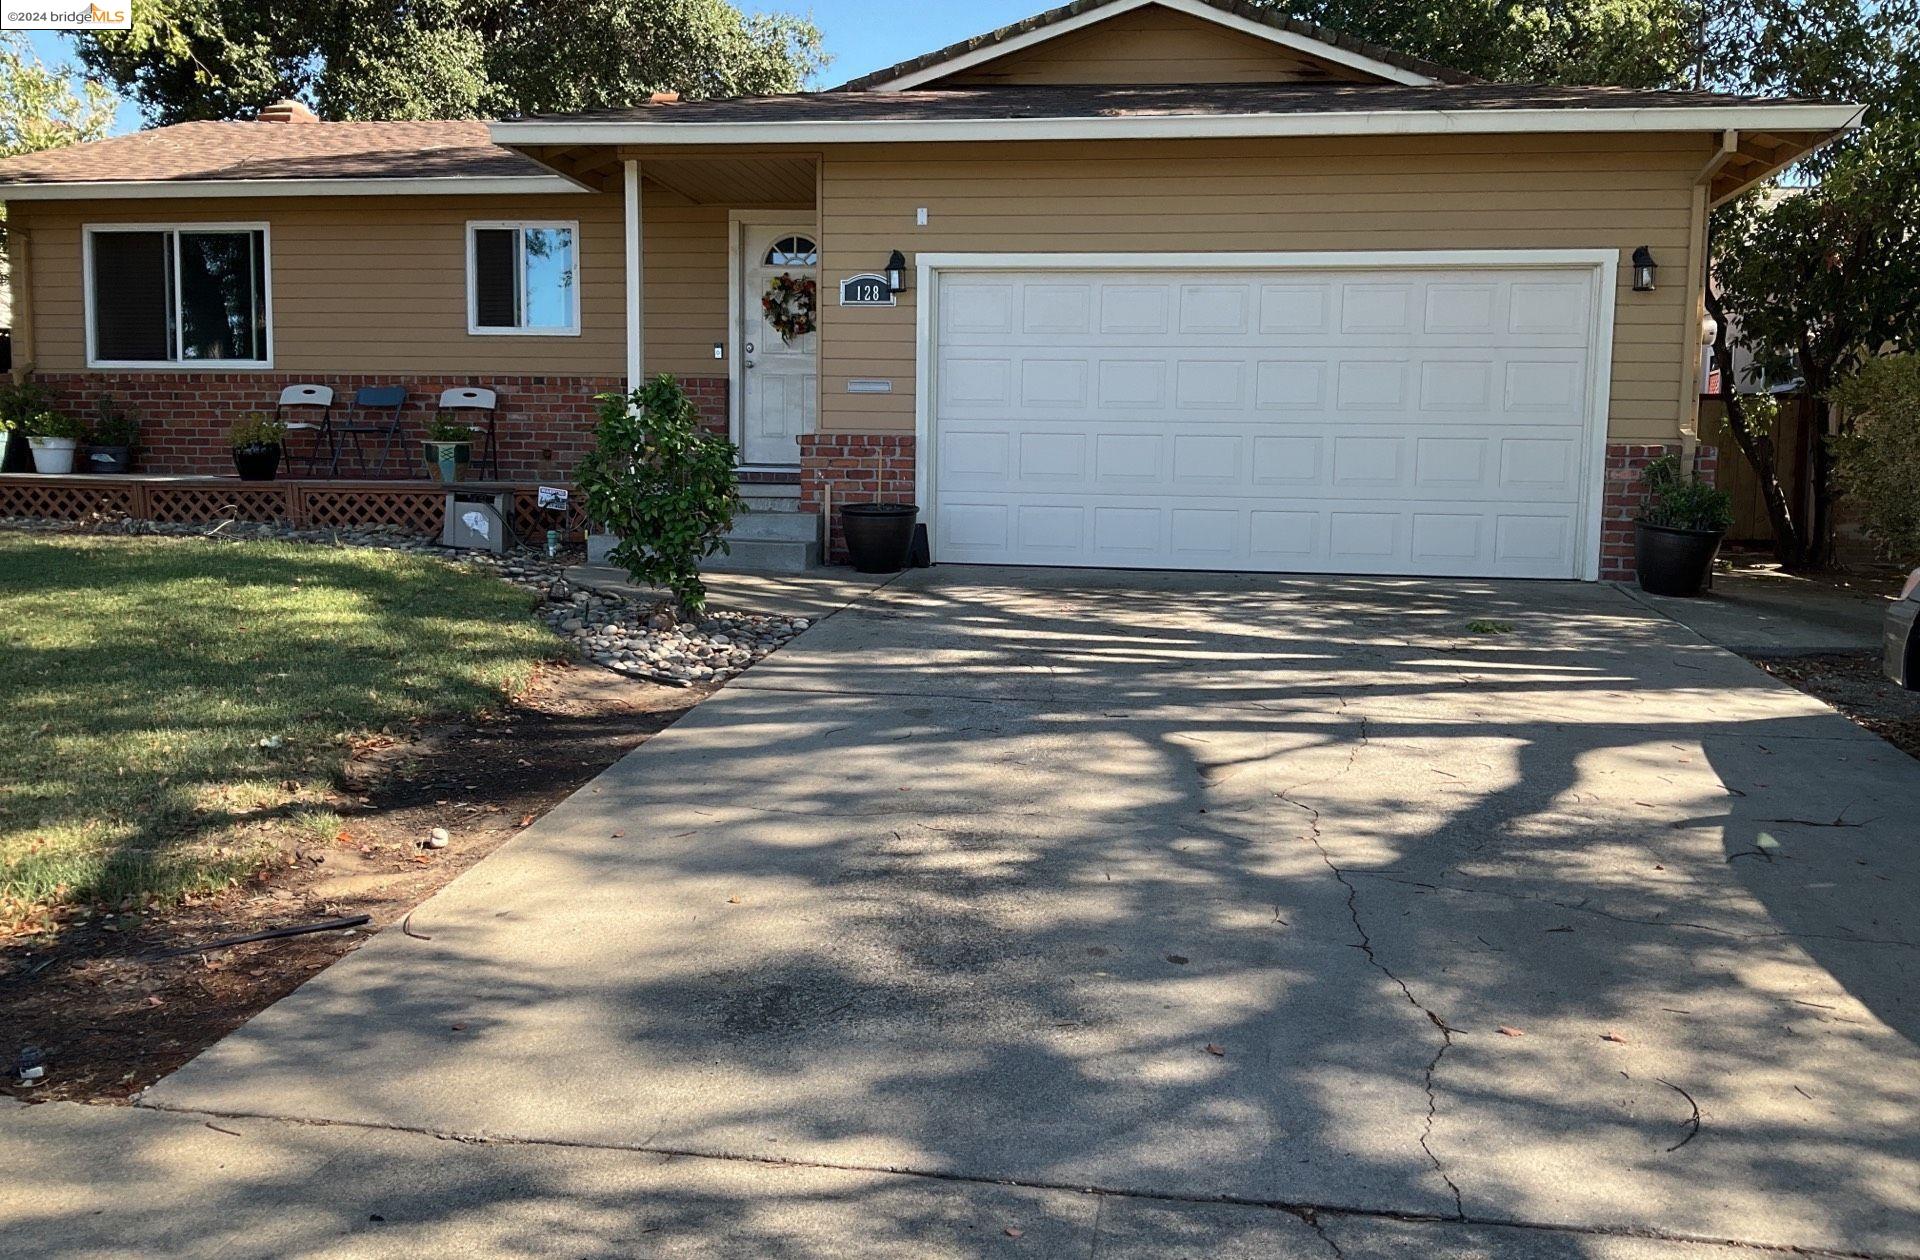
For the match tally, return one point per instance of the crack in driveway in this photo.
(1313, 836)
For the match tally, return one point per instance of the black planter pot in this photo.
(257, 463)
(1674, 561)
(879, 535)
(108, 459)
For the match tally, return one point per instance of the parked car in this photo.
(1903, 646)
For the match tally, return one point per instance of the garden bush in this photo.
(665, 487)
(1878, 463)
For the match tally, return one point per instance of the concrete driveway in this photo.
(1281, 891)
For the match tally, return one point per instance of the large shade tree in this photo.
(1629, 43)
(45, 107)
(1819, 274)
(192, 59)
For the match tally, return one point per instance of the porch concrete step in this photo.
(789, 526)
(771, 497)
(765, 556)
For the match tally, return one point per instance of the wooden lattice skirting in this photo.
(414, 507)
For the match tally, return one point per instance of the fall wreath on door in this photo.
(788, 305)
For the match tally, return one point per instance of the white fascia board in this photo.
(1418, 122)
(189, 189)
(1192, 8)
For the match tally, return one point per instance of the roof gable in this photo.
(1154, 44)
(1127, 42)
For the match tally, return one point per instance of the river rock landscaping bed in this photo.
(649, 641)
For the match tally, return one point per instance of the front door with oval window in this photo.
(779, 344)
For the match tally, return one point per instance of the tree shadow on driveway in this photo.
(1273, 891)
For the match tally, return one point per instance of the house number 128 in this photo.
(865, 290)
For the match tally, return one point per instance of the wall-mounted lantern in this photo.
(897, 272)
(1643, 269)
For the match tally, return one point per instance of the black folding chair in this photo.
(304, 401)
(379, 408)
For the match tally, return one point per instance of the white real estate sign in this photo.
(1437, 421)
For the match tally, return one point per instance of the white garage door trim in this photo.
(1604, 263)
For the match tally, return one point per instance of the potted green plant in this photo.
(54, 436)
(256, 439)
(1679, 529)
(449, 447)
(21, 399)
(116, 427)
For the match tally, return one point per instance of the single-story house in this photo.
(1136, 283)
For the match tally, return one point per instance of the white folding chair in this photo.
(485, 404)
(304, 400)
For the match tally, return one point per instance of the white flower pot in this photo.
(52, 455)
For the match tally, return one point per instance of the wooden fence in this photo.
(1735, 475)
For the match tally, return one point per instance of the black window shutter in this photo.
(132, 297)
(496, 294)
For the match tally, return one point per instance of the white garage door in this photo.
(1378, 421)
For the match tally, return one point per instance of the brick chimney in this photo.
(287, 112)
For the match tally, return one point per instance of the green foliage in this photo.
(663, 485)
(1879, 462)
(1677, 502)
(1486, 625)
(256, 428)
(189, 59)
(114, 423)
(1630, 43)
(40, 105)
(446, 426)
(21, 399)
(54, 424)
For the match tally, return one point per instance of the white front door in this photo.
(779, 378)
(1398, 420)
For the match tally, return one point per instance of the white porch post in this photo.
(636, 273)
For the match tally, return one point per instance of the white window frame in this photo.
(572, 329)
(178, 363)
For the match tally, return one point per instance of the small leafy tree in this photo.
(1879, 462)
(663, 485)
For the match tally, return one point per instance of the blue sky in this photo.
(861, 35)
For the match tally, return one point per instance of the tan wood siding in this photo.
(1362, 193)
(373, 285)
(1153, 45)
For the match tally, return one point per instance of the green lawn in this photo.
(161, 698)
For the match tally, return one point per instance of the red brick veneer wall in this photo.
(841, 468)
(1625, 496)
(864, 467)
(545, 423)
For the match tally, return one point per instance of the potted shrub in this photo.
(54, 436)
(1679, 530)
(449, 448)
(21, 399)
(256, 439)
(110, 443)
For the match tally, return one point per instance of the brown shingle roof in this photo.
(202, 151)
(1174, 100)
(1237, 8)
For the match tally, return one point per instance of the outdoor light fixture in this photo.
(897, 272)
(1643, 269)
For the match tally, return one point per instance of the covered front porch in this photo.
(767, 350)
